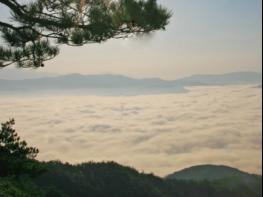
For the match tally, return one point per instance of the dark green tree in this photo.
(16, 158)
(39, 27)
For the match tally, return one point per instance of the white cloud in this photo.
(155, 133)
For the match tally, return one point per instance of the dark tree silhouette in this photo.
(37, 28)
(15, 156)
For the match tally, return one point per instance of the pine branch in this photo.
(75, 24)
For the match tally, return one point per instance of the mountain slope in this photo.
(221, 176)
(209, 172)
(111, 180)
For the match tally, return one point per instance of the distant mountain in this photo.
(122, 85)
(92, 84)
(236, 78)
(221, 176)
(208, 172)
(258, 86)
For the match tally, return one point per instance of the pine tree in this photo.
(16, 157)
(38, 28)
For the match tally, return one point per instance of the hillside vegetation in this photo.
(112, 179)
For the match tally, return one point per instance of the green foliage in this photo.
(221, 177)
(16, 157)
(23, 187)
(112, 179)
(74, 22)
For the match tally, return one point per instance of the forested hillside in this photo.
(111, 179)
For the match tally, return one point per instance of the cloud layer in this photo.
(155, 133)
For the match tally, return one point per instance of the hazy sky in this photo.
(204, 36)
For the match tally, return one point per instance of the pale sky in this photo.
(204, 36)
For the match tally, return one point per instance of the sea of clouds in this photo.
(153, 133)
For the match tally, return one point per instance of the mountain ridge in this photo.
(105, 179)
(112, 179)
(222, 175)
(52, 75)
(119, 84)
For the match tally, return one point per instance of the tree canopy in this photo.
(38, 28)
(15, 156)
